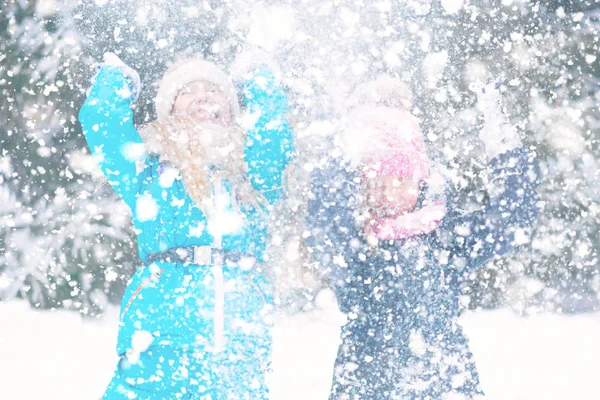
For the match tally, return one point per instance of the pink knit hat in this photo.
(382, 136)
(397, 145)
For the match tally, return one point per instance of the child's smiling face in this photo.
(392, 196)
(203, 102)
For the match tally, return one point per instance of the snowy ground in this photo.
(56, 355)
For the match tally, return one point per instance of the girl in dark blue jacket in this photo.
(397, 248)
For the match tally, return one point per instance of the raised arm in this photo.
(270, 140)
(504, 221)
(107, 122)
(334, 233)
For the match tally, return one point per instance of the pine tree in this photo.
(62, 244)
(65, 238)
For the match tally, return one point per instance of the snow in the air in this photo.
(67, 243)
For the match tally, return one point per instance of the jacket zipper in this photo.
(217, 269)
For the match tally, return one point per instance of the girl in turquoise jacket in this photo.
(195, 319)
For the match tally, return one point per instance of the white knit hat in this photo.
(384, 91)
(192, 70)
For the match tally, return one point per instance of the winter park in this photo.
(299, 199)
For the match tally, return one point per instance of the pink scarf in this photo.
(420, 222)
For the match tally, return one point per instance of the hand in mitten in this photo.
(135, 83)
(498, 135)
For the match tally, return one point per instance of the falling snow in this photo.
(528, 296)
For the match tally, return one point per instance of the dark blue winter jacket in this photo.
(428, 268)
(401, 340)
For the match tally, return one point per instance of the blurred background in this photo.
(66, 241)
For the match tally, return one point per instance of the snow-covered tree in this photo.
(61, 242)
(60, 239)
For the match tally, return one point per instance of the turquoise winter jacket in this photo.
(164, 216)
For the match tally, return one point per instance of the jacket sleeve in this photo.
(503, 222)
(270, 141)
(107, 122)
(334, 240)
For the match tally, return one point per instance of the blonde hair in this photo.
(204, 153)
